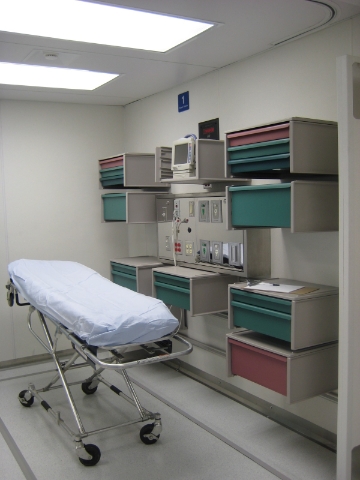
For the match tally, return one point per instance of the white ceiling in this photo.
(244, 28)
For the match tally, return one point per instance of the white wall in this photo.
(50, 201)
(297, 79)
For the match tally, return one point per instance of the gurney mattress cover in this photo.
(94, 308)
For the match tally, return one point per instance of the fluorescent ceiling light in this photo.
(52, 77)
(83, 21)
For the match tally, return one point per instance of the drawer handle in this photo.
(172, 287)
(264, 311)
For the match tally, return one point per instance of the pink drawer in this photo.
(271, 363)
(264, 134)
(111, 162)
(259, 366)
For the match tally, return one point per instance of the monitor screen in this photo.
(181, 154)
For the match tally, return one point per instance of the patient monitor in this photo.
(184, 157)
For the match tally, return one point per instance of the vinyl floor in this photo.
(205, 436)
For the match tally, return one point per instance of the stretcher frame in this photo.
(119, 360)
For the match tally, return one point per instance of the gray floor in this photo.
(205, 434)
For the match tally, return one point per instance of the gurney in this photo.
(108, 326)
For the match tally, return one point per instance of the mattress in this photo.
(97, 310)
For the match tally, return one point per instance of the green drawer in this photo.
(261, 206)
(112, 172)
(114, 205)
(124, 280)
(120, 267)
(173, 290)
(262, 149)
(269, 322)
(172, 280)
(260, 164)
(263, 301)
(112, 181)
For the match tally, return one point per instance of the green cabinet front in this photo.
(261, 206)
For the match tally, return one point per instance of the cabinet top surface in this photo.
(185, 272)
(284, 120)
(139, 261)
(310, 290)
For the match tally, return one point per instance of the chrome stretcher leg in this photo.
(88, 454)
(149, 433)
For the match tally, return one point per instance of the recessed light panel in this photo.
(52, 77)
(83, 21)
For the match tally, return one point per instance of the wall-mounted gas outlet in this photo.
(204, 251)
(217, 252)
(236, 254)
(177, 207)
(203, 210)
(191, 208)
(216, 211)
(168, 243)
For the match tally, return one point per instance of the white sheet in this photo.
(94, 308)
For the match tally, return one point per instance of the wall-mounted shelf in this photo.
(295, 146)
(197, 291)
(307, 317)
(209, 167)
(134, 273)
(129, 207)
(129, 170)
(302, 206)
(270, 363)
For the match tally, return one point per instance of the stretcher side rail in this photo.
(83, 349)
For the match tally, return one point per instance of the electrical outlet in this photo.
(189, 249)
(178, 247)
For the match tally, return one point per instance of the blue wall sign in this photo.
(183, 102)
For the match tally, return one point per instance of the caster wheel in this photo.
(85, 388)
(23, 401)
(146, 429)
(94, 451)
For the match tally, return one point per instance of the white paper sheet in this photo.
(274, 287)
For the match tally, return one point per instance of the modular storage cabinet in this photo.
(302, 206)
(271, 363)
(198, 291)
(296, 146)
(134, 273)
(309, 316)
(129, 207)
(209, 166)
(129, 170)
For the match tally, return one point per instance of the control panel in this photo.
(197, 235)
